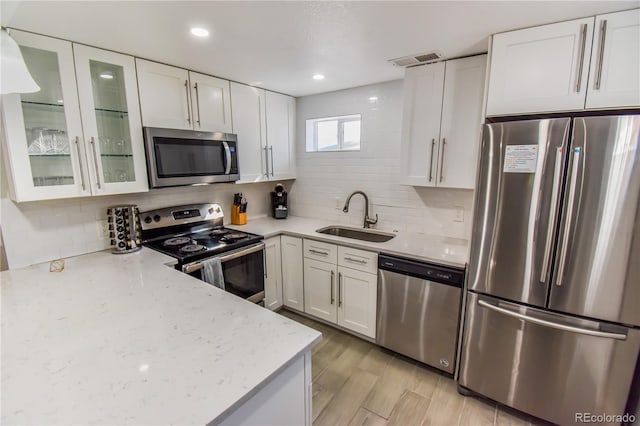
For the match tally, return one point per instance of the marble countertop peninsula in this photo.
(126, 339)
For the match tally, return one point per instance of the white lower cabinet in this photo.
(343, 295)
(272, 274)
(357, 298)
(320, 289)
(292, 272)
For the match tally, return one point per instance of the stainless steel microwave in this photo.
(187, 157)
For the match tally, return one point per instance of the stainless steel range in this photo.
(196, 237)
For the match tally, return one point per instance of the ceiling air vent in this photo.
(418, 59)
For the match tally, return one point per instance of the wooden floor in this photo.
(358, 383)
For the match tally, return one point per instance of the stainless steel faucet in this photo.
(367, 220)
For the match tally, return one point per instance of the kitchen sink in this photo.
(356, 233)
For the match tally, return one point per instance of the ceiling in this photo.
(280, 45)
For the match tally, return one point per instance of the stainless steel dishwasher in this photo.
(419, 310)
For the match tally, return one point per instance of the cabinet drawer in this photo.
(321, 251)
(361, 260)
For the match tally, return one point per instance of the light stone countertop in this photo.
(430, 248)
(125, 339)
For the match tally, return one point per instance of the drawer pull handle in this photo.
(324, 253)
(350, 259)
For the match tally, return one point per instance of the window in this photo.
(334, 133)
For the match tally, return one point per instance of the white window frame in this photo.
(341, 119)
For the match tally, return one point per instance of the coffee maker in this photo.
(279, 202)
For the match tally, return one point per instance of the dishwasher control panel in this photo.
(428, 271)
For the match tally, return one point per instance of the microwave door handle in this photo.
(227, 154)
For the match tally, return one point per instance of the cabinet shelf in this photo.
(111, 111)
(45, 104)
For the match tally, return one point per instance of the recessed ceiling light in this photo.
(318, 77)
(199, 32)
(373, 99)
(108, 75)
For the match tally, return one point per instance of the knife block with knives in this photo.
(239, 210)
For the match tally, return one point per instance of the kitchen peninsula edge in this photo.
(126, 339)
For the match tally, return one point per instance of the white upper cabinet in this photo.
(44, 144)
(281, 119)
(423, 88)
(540, 69)
(165, 98)
(111, 121)
(614, 76)
(461, 122)
(59, 145)
(591, 63)
(442, 118)
(249, 123)
(176, 98)
(211, 103)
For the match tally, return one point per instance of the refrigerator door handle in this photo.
(544, 274)
(551, 324)
(564, 248)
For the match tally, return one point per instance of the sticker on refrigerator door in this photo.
(520, 159)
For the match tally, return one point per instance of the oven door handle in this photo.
(196, 266)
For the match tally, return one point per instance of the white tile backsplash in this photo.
(41, 231)
(325, 176)
(44, 230)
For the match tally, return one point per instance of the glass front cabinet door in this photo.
(110, 112)
(57, 141)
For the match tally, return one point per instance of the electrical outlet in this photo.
(459, 214)
(103, 228)
(337, 203)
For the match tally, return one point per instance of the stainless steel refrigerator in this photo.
(552, 323)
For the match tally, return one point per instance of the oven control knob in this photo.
(157, 218)
(147, 219)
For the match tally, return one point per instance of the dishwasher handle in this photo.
(422, 270)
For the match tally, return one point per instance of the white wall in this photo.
(324, 177)
(45, 230)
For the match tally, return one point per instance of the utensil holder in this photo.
(238, 218)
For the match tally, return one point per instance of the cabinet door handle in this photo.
(84, 187)
(333, 274)
(444, 144)
(195, 86)
(350, 259)
(583, 43)
(323, 253)
(433, 144)
(266, 159)
(339, 288)
(186, 87)
(603, 34)
(264, 259)
(95, 161)
(271, 149)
